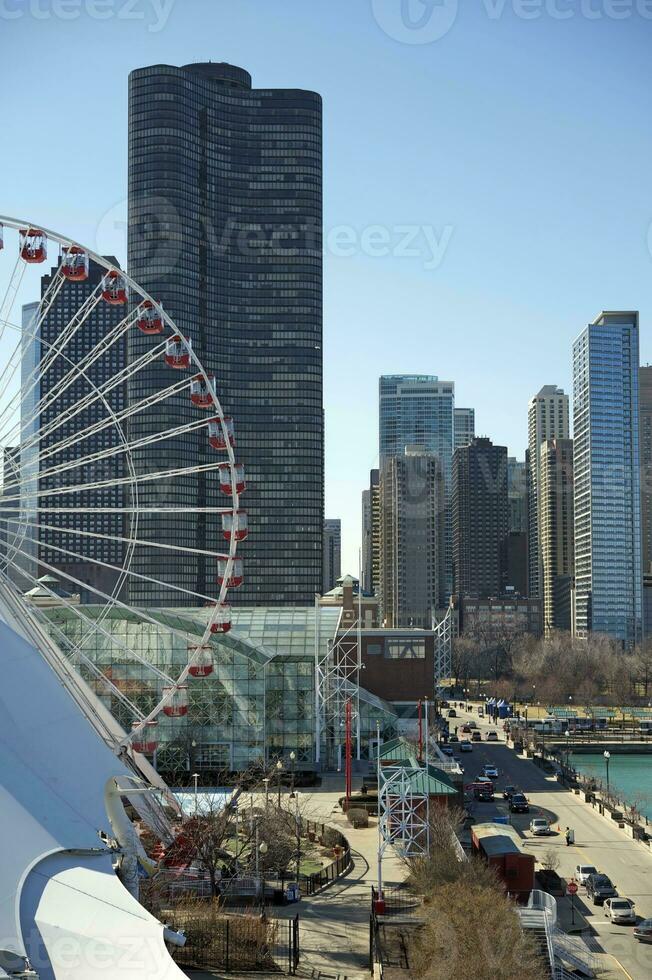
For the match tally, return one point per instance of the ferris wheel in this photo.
(108, 422)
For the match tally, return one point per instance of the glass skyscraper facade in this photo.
(225, 214)
(608, 574)
(419, 411)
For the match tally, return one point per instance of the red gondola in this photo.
(201, 661)
(74, 264)
(32, 245)
(236, 576)
(201, 393)
(216, 437)
(177, 704)
(229, 475)
(235, 525)
(177, 352)
(114, 288)
(150, 320)
(222, 622)
(146, 740)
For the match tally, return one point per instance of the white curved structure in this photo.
(62, 904)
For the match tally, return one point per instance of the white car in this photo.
(582, 872)
(539, 827)
(620, 910)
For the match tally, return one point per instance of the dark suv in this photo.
(518, 803)
(599, 887)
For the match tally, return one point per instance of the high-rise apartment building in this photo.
(332, 553)
(60, 551)
(607, 495)
(225, 214)
(371, 535)
(412, 526)
(464, 423)
(418, 410)
(517, 495)
(479, 518)
(548, 418)
(556, 534)
(645, 441)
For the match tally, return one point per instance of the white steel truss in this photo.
(443, 650)
(337, 680)
(404, 812)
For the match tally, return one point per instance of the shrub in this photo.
(331, 837)
(358, 817)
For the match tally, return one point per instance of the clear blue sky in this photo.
(529, 140)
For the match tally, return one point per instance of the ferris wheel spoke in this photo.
(113, 418)
(131, 610)
(156, 475)
(25, 338)
(95, 627)
(98, 393)
(104, 454)
(101, 348)
(140, 542)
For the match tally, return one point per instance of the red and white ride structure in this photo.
(41, 482)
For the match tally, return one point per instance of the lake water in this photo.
(630, 776)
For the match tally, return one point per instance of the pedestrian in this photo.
(568, 836)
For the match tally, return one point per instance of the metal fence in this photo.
(244, 943)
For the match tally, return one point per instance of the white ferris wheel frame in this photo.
(195, 369)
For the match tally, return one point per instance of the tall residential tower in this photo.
(608, 574)
(418, 410)
(225, 213)
(547, 418)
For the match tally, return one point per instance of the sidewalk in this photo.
(334, 928)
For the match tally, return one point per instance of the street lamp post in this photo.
(293, 759)
(297, 819)
(266, 785)
(279, 770)
(261, 851)
(195, 779)
(607, 756)
(567, 735)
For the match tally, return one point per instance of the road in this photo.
(628, 863)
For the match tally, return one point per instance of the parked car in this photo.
(599, 887)
(582, 872)
(620, 910)
(518, 803)
(471, 724)
(491, 772)
(466, 746)
(539, 827)
(476, 736)
(492, 736)
(453, 738)
(643, 931)
(452, 713)
(481, 712)
(508, 792)
(466, 729)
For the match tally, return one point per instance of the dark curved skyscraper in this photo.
(225, 212)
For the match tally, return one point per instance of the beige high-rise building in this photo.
(547, 419)
(412, 537)
(556, 539)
